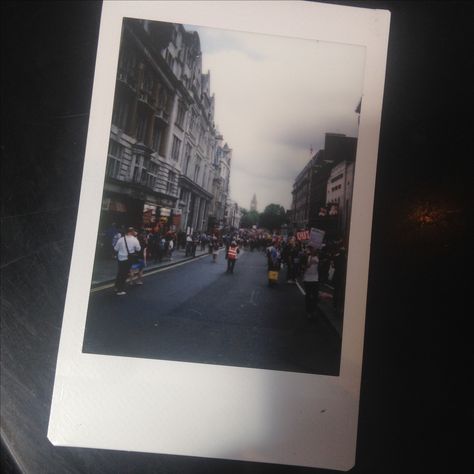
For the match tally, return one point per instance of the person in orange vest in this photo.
(232, 253)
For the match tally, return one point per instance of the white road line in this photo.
(301, 288)
(152, 272)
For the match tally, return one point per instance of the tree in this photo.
(273, 217)
(248, 219)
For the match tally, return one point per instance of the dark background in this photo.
(414, 415)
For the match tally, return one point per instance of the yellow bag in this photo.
(272, 275)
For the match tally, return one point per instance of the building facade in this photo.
(310, 198)
(232, 215)
(339, 192)
(167, 166)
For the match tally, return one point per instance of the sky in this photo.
(276, 97)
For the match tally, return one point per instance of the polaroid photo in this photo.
(217, 291)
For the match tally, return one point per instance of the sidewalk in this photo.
(326, 307)
(105, 270)
(329, 311)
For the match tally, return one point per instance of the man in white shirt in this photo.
(126, 245)
(311, 282)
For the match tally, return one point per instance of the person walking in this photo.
(118, 234)
(311, 282)
(232, 253)
(125, 246)
(215, 248)
(136, 270)
(170, 248)
(189, 245)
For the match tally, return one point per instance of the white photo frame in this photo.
(214, 411)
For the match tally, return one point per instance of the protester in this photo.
(215, 248)
(125, 247)
(311, 282)
(232, 253)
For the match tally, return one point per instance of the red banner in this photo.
(303, 235)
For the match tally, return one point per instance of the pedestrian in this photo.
(170, 248)
(136, 270)
(154, 246)
(232, 256)
(126, 247)
(189, 245)
(194, 244)
(311, 282)
(215, 248)
(115, 238)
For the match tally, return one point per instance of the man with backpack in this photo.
(126, 247)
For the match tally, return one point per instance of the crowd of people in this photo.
(313, 266)
(301, 261)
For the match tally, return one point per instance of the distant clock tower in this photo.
(253, 203)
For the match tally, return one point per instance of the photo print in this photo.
(216, 298)
(231, 159)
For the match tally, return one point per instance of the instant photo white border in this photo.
(213, 411)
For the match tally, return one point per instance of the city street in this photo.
(196, 312)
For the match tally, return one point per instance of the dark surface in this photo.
(418, 352)
(198, 313)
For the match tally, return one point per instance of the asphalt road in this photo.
(196, 312)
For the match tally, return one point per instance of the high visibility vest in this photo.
(232, 253)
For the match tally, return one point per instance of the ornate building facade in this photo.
(167, 164)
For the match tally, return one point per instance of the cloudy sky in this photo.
(276, 97)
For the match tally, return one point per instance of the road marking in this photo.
(301, 288)
(254, 292)
(151, 272)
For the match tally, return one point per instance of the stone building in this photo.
(310, 189)
(166, 163)
(232, 215)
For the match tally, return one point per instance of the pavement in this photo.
(105, 271)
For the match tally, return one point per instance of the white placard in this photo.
(206, 410)
(316, 237)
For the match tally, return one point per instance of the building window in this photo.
(175, 149)
(120, 114)
(164, 100)
(141, 127)
(152, 175)
(170, 183)
(127, 68)
(114, 159)
(139, 171)
(197, 170)
(187, 158)
(144, 172)
(147, 87)
(192, 123)
(181, 115)
(157, 134)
